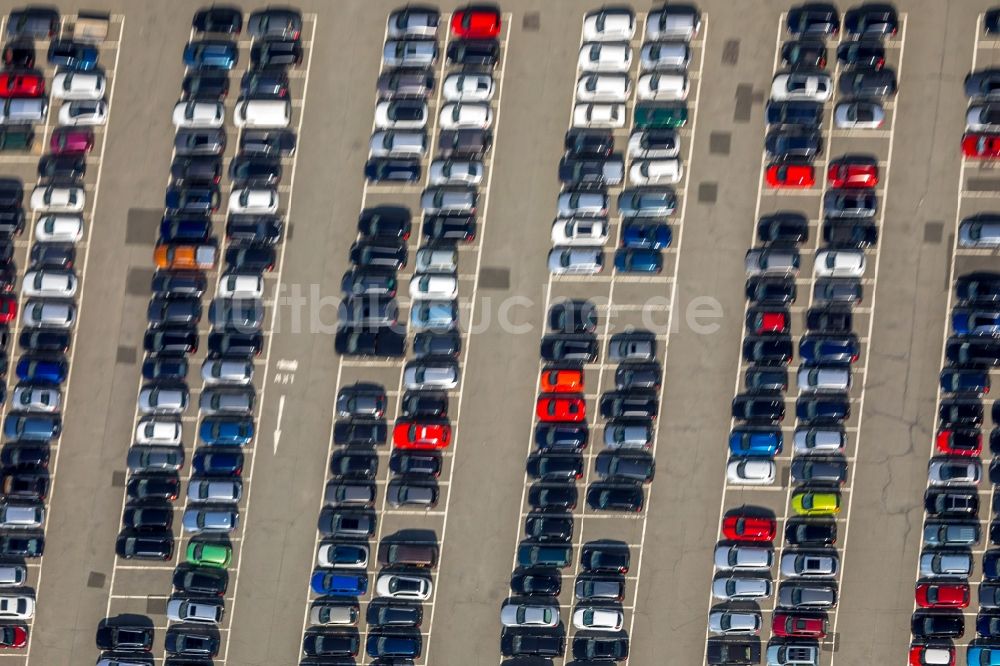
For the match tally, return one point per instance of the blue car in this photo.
(965, 380)
(561, 437)
(211, 54)
(824, 409)
(217, 462)
(988, 625)
(331, 582)
(981, 655)
(42, 370)
(185, 228)
(646, 235)
(966, 321)
(199, 200)
(755, 442)
(393, 646)
(165, 367)
(638, 261)
(32, 426)
(815, 349)
(73, 55)
(991, 565)
(226, 431)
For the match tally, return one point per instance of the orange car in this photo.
(185, 255)
(559, 380)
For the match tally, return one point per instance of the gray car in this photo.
(743, 558)
(452, 200)
(979, 231)
(397, 143)
(594, 588)
(200, 142)
(806, 469)
(349, 494)
(215, 490)
(415, 495)
(945, 563)
(771, 261)
(792, 654)
(808, 596)
(163, 399)
(155, 458)
(367, 312)
(868, 83)
(227, 371)
(819, 440)
(361, 399)
(810, 564)
(417, 53)
(740, 588)
(841, 291)
(632, 346)
(582, 203)
(647, 202)
(205, 611)
(984, 84)
(825, 378)
(405, 83)
(850, 203)
(226, 400)
(431, 375)
(951, 534)
(434, 315)
(210, 519)
(628, 435)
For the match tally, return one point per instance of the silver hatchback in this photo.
(647, 202)
(576, 260)
(825, 378)
(227, 371)
(210, 519)
(215, 490)
(227, 400)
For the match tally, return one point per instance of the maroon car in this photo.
(71, 141)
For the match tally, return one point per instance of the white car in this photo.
(16, 606)
(598, 619)
(609, 25)
(570, 260)
(655, 172)
(580, 231)
(401, 114)
(254, 200)
(983, 118)
(611, 116)
(529, 615)
(226, 370)
(36, 399)
(800, 86)
(663, 87)
(202, 611)
(858, 115)
(59, 228)
(743, 558)
(58, 199)
(734, 623)
(55, 283)
(605, 57)
(471, 87)
(158, 430)
(326, 557)
(401, 586)
(950, 473)
(465, 115)
(241, 285)
(429, 285)
(56, 314)
(199, 114)
(751, 472)
(456, 172)
(84, 113)
(840, 263)
(78, 85)
(603, 88)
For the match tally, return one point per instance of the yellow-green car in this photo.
(816, 504)
(209, 554)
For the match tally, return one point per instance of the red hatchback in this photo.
(768, 321)
(942, 595)
(21, 85)
(960, 443)
(8, 309)
(852, 174)
(739, 527)
(411, 435)
(13, 636)
(476, 22)
(561, 408)
(791, 175)
(921, 655)
(981, 145)
(71, 141)
(798, 626)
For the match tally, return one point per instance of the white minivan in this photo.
(267, 113)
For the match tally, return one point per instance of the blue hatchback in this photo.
(185, 228)
(199, 200)
(217, 462)
(165, 367)
(327, 582)
(981, 655)
(829, 349)
(41, 370)
(965, 380)
(752, 442)
(991, 565)
(211, 54)
(638, 261)
(73, 55)
(393, 646)
(35, 427)
(226, 431)
(966, 321)
(646, 235)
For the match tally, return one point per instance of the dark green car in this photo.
(660, 116)
(17, 138)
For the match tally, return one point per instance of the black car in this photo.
(369, 282)
(264, 84)
(168, 311)
(148, 517)
(548, 527)
(630, 404)
(45, 340)
(600, 649)
(11, 193)
(392, 170)
(804, 54)
(354, 465)
(419, 464)
(771, 290)
(434, 343)
(580, 143)
(357, 431)
(124, 637)
(268, 143)
(178, 283)
(978, 287)
(370, 342)
(62, 168)
(206, 85)
(254, 229)
(954, 502)
(561, 496)
(797, 143)
(765, 378)
(326, 644)
(868, 83)
(255, 171)
(801, 532)
(19, 54)
(833, 408)
(145, 546)
(573, 316)
(378, 254)
(183, 640)
(53, 255)
(829, 320)
(937, 625)
(474, 52)
(973, 350)
(768, 349)
(255, 258)
(758, 408)
(235, 343)
(850, 233)
(464, 143)
(636, 466)
(532, 644)
(395, 614)
(149, 487)
(866, 53)
(561, 436)
(555, 466)
(11, 221)
(814, 18)
(536, 582)
(275, 53)
(805, 114)
(967, 412)
(196, 169)
(449, 229)
(570, 348)
(732, 652)
(583, 172)
(16, 454)
(871, 20)
(8, 275)
(424, 404)
(385, 223)
(615, 497)
(605, 557)
(225, 20)
(630, 376)
(171, 340)
(201, 581)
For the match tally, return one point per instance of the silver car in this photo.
(734, 623)
(435, 260)
(431, 375)
(951, 534)
(395, 83)
(664, 56)
(215, 490)
(208, 519)
(743, 558)
(810, 564)
(979, 231)
(415, 53)
(460, 200)
(57, 314)
(949, 472)
(858, 115)
(224, 400)
(36, 399)
(628, 435)
(163, 399)
(468, 87)
(669, 21)
(583, 204)
(434, 315)
(456, 172)
(21, 516)
(983, 118)
(576, 260)
(413, 22)
(227, 371)
(771, 261)
(738, 588)
(155, 458)
(792, 654)
(825, 378)
(203, 611)
(397, 143)
(819, 440)
(945, 563)
(647, 202)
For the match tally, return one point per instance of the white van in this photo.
(31, 110)
(268, 113)
(655, 172)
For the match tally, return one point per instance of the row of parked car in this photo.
(981, 142)
(952, 531)
(809, 562)
(186, 250)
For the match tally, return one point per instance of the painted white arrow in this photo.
(277, 430)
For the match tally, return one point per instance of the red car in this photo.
(739, 527)
(981, 145)
(920, 655)
(852, 174)
(476, 22)
(791, 175)
(964, 443)
(411, 435)
(13, 636)
(71, 141)
(21, 85)
(768, 321)
(798, 626)
(943, 595)
(561, 408)
(8, 309)
(560, 380)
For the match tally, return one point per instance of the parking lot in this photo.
(479, 517)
